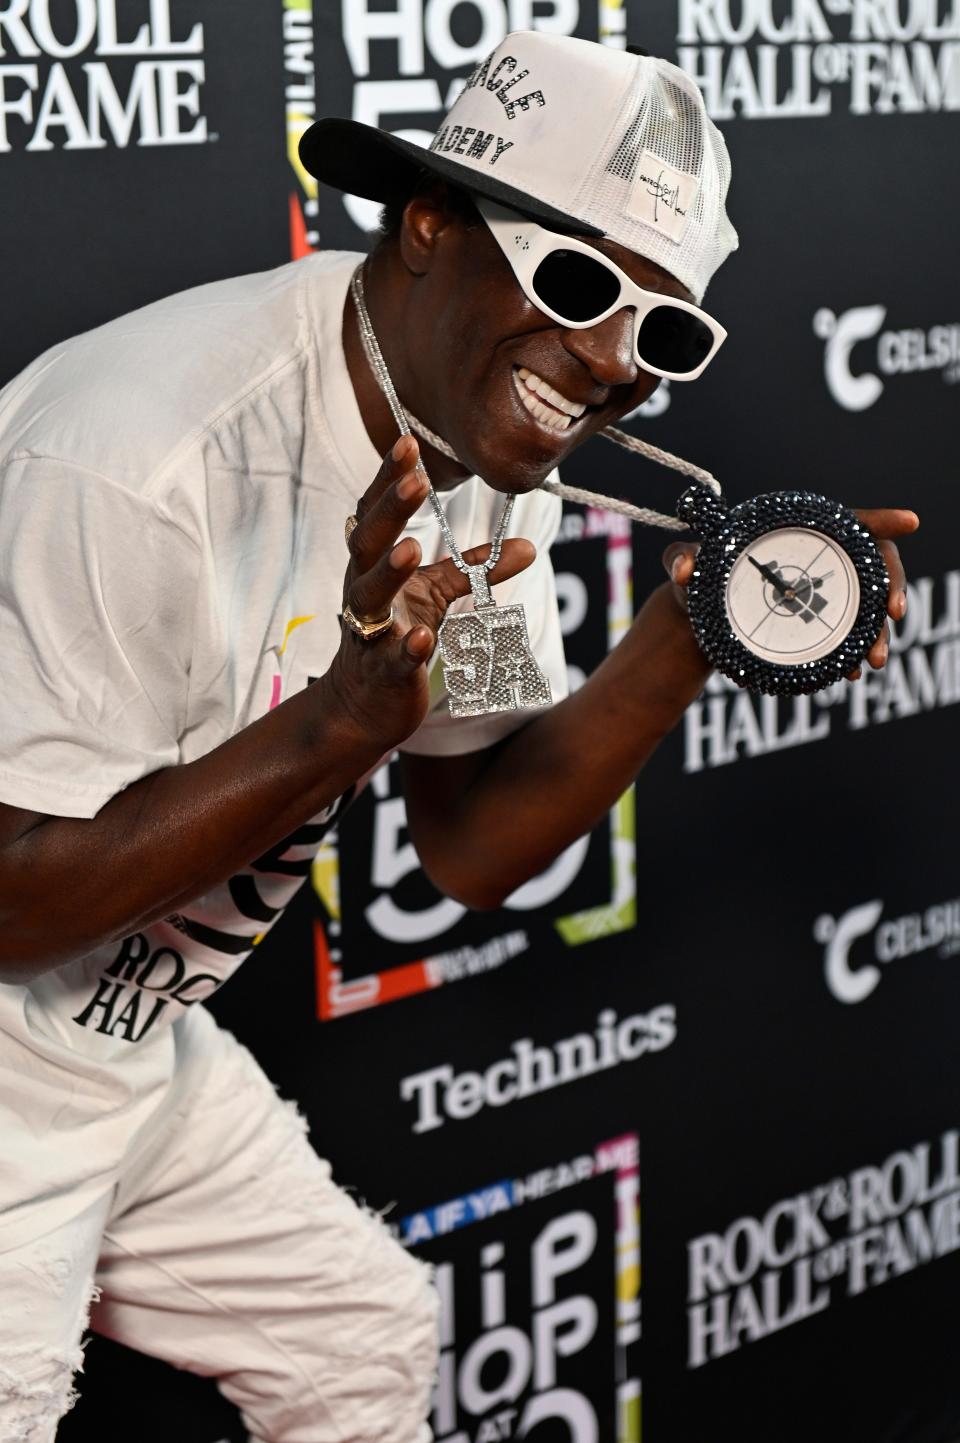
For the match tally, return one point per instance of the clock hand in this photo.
(777, 582)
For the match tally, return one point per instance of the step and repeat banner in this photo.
(679, 1126)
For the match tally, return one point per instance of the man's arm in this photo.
(486, 822)
(68, 885)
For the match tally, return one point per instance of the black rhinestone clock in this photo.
(789, 591)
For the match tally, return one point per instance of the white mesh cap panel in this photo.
(620, 141)
(661, 185)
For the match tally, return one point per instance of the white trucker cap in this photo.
(581, 137)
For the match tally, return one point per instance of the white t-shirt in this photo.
(173, 488)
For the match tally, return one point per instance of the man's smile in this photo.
(544, 402)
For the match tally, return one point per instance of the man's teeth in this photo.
(534, 392)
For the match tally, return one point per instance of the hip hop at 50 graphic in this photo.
(539, 1280)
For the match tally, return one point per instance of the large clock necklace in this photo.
(789, 591)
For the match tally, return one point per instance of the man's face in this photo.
(485, 347)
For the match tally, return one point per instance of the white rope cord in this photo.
(664, 458)
(641, 514)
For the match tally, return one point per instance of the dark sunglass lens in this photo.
(673, 340)
(575, 286)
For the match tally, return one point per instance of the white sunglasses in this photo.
(577, 286)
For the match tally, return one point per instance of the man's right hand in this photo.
(382, 682)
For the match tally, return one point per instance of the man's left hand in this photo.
(884, 525)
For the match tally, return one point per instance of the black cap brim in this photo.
(362, 160)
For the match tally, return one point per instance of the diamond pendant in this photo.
(487, 662)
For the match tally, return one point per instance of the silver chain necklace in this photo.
(374, 355)
(487, 662)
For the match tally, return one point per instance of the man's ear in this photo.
(425, 218)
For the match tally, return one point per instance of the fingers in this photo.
(384, 519)
(450, 582)
(897, 593)
(403, 654)
(403, 456)
(883, 522)
(418, 645)
(878, 653)
(679, 559)
(515, 556)
(370, 595)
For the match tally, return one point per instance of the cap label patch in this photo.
(662, 197)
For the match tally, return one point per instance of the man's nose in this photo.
(606, 349)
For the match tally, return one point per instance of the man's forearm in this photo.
(554, 779)
(66, 885)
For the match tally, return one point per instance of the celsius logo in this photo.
(838, 936)
(841, 334)
(897, 353)
(852, 979)
(94, 78)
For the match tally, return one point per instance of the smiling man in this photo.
(178, 506)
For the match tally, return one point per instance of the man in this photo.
(173, 498)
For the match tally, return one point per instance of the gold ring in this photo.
(349, 527)
(367, 630)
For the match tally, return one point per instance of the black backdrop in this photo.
(765, 1068)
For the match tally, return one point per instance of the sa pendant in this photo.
(487, 662)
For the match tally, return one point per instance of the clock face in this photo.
(792, 595)
(789, 590)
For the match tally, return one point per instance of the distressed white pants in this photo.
(228, 1251)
